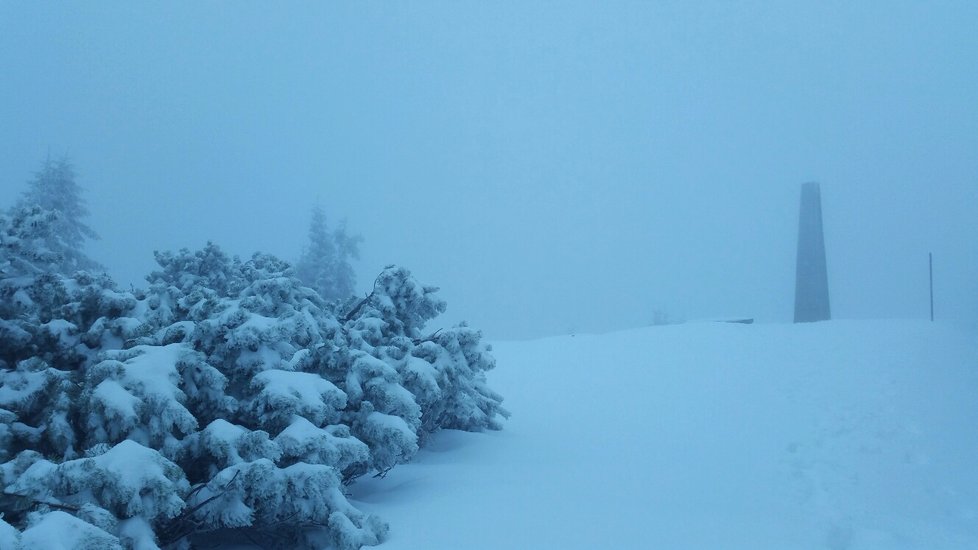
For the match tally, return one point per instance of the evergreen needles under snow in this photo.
(226, 398)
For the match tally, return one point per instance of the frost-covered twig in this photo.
(430, 338)
(15, 503)
(356, 309)
(177, 527)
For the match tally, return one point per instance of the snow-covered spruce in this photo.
(227, 397)
(324, 264)
(53, 189)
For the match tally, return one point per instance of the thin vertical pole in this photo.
(930, 271)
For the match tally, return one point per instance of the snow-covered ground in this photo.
(840, 435)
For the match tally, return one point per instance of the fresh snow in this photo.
(842, 435)
(306, 393)
(60, 328)
(120, 405)
(62, 531)
(9, 536)
(153, 369)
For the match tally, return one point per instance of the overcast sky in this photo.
(553, 167)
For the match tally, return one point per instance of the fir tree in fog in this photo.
(325, 262)
(53, 188)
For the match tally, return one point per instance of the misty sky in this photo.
(554, 167)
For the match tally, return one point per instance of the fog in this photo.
(553, 167)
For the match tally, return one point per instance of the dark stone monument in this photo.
(811, 275)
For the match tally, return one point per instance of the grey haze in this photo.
(553, 166)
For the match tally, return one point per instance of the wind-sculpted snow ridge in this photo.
(226, 400)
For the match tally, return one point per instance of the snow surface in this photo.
(840, 435)
(62, 531)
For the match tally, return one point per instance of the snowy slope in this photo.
(837, 435)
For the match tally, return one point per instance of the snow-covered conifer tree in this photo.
(226, 398)
(325, 262)
(54, 189)
(26, 263)
(52, 332)
(408, 385)
(273, 424)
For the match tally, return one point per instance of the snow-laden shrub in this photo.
(136, 394)
(442, 373)
(127, 480)
(226, 397)
(28, 282)
(300, 504)
(40, 399)
(60, 530)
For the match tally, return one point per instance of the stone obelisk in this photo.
(811, 275)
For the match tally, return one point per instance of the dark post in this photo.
(930, 272)
(811, 274)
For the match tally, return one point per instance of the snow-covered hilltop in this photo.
(838, 435)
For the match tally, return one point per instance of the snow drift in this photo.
(839, 435)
